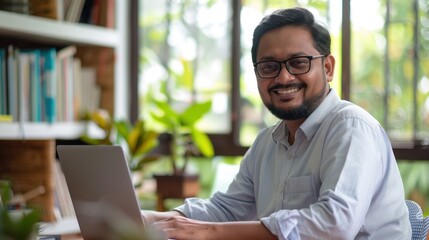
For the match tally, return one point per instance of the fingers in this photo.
(154, 216)
(179, 228)
(167, 226)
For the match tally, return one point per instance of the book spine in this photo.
(49, 86)
(3, 84)
(24, 87)
(12, 82)
(35, 84)
(77, 85)
(65, 83)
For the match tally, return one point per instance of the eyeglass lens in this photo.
(294, 66)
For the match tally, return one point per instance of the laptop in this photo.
(101, 189)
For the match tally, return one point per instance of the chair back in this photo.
(419, 224)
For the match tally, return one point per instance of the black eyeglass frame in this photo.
(310, 58)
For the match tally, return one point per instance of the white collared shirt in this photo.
(339, 180)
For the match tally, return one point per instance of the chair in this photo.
(419, 224)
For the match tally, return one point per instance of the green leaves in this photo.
(194, 113)
(181, 125)
(203, 143)
(102, 119)
(20, 227)
(5, 191)
(139, 140)
(185, 123)
(168, 117)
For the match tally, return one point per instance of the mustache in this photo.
(289, 85)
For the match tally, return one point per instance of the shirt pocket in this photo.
(300, 192)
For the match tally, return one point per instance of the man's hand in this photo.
(154, 216)
(180, 227)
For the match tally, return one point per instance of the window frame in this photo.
(228, 144)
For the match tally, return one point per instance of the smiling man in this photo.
(325, 171)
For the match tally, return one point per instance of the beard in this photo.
(302, 111)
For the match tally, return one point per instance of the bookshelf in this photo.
(30, 142)
(32, 31)
(53, 31)
(39, 131)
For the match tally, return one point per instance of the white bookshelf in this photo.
(54, 32)
(44, 131)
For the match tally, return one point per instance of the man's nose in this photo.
(284, 75)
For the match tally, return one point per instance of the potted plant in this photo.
(138, 139)
(186, 141)
(18, 223)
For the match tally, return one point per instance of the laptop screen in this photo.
(101, 188)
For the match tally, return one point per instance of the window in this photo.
(193, 50)
(395, 91)
(186, 56)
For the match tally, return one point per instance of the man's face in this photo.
(288, 96)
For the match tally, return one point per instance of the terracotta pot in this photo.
(175, 186)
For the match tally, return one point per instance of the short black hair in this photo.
(297, 16)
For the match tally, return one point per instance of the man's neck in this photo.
(292, 126)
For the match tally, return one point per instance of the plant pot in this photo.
(175, 186)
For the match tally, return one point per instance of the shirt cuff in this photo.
(284, 229)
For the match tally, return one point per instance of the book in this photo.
(62, 195)
(86, 15)
(18, 6)
(99, 12)
(12, 81)
(45, 8)
(49, 84)
(105, 75)
(106, 17)
(76, 85)
(24, 88)
(110, 14)
(95, 12)
(60, 9)
(74, 10)
(3, 84)
(5, 118)
(34, 83)
(65, 5)
(90, 91)
(65, 89)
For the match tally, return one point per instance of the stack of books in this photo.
(46, 85)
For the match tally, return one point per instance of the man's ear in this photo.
(329, 65)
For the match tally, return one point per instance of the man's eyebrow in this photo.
(270, 58)
(267, 59)
(298, 54)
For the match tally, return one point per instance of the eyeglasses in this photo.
(295, 66)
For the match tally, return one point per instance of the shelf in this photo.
(37, 32)
(39, 131)
(58, 32)
(24, 144)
